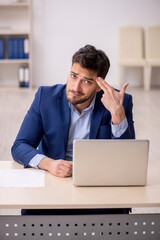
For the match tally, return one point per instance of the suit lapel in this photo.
(96, 116)
(64, 117)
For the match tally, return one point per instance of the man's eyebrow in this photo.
(74, 73)
(91, 79)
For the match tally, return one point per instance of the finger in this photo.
(66, 170)
(101, 84)
(66, 166)
(104, 83)
(61, 175)
(65, 163)
(63, 166)
(123, 89)
(64, 173)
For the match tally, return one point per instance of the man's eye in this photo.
(87, 82)
(73, 75)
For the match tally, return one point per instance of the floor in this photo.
(15, 102)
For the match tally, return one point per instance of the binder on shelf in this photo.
(18, 48)
(15, 48)
(1, 48)
(21, 48)
(26, 77)
(26, 48)
(9, 48)
(23, 77)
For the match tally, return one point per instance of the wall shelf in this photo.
(13, 32)
(3, 61)
(15, 25)
(18, 4)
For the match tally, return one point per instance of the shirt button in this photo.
(120, 129)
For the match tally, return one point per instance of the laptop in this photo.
(110, 162)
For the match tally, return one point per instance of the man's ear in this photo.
(98, 89)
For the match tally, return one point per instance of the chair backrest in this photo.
(130, 42)
(152, 37)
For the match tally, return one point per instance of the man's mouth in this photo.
(77, 94)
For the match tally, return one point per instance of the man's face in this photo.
(81, 86)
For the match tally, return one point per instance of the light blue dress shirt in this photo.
(79, 126)
(79, 129)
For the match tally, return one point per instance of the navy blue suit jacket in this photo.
(47, 122)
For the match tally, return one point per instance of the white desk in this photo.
(60, 193)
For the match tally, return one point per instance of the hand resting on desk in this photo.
(58, 168)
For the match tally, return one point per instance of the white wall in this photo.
(61, 27)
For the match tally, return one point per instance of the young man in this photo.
(86, 107)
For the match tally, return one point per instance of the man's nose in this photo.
(77, 86)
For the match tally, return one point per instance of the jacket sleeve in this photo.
(30, 133)
(128, 106)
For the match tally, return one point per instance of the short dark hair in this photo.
(91, 58)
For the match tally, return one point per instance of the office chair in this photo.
(130, 49)
(152, 52)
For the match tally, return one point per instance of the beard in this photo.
(83, 98)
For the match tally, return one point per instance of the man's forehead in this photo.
(83, 72)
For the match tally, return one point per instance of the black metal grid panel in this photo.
(79, 227)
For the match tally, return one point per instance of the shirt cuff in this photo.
(118, 130)
(36, 160)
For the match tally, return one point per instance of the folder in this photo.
(1, 48)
